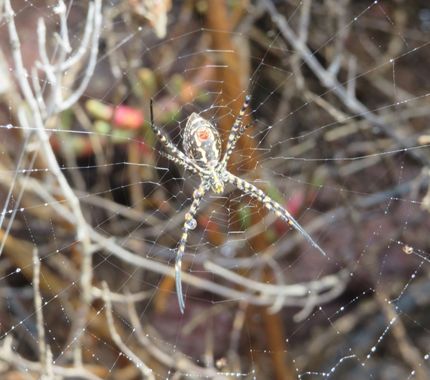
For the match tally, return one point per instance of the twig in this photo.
(408, 351)
(332, 84)
(39, 314)
(296, 290)
(73, 98)
(143, 368)
(63, 38)
(39, 122)
(119, 297)
(43, 54)
(14, 359)
(181, 363)
(277, 346)
(238, 323)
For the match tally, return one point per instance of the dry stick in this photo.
(38, 309)
(410, 353)
(22, 78)
(9, 356)
(124, 255)
(49, 372)
(202, 318)
(11, 183)
(32, 185)
(21, 75)
(322, 285)
(91, 64)
(125, 211)
(234, 346)
(20, 253)
(85, 40)
(331, 83)
(127, 256)
(181, 363)
(119, 297)
(219, 22)
(232, 89)
(274, 252)
(63, 38)
(38, 92)
(303, 37)
(279, 277)
(339, 9)
(267, 298)
(146, 371)
(43, 54)
(282, 364)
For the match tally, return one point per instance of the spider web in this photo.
(92, 209)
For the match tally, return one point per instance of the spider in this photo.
(202, 147)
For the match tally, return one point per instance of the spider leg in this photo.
(189, 224)
(271, 205)
(236, 131)
(184, 164)
(175, 152)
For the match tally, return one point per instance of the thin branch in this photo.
(296, 290)
(38, 92)
(46, 148)
(83, 46)
(144, 369)
(9, 356)
(181, 363)
(43, 53)
(332, 84)
(89, 69)
(38, 309)
(63, 38)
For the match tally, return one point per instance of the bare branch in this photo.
(38, 308)
(63, 38)
(328, 80)
(181, 363)
(89, 69)
(146, 371)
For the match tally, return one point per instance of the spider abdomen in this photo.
(202, 141)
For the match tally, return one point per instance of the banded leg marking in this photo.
(273, 206)
(189, 217)
(169, 145)
(236, 131)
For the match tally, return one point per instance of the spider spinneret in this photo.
(202, 146)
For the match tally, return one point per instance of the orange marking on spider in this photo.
(203, 134)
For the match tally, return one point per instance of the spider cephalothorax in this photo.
(202, 146)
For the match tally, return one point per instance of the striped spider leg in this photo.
(190, 224)
(176, 155)
(176, 160)
(236, 132)
(271, 205)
